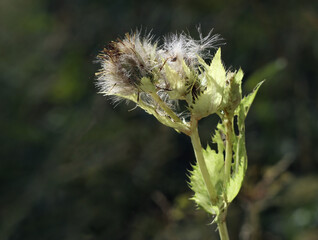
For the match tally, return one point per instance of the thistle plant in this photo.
(159, 78)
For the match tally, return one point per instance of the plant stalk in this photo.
(224, 235)
(227, 174)
(196, 143)
(197, 147)
(228, 150)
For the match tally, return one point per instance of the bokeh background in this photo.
(74, 167)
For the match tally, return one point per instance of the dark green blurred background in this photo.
(74, 167)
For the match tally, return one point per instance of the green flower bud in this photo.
(233, 91)
(177, 83)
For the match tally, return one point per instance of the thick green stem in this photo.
(197, 147)
(196, 143)
(228, 149)
(224, 235)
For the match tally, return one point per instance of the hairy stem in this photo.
(196, 143)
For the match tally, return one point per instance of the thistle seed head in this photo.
(182, 47)
(124, 63)
(157, 77)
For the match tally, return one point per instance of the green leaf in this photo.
(219, 137)
(240, 164)
(215, 165)
(236, 87)
(208, 99)
(201, 195)
(248, 100)
(217, 70)
(239, 148)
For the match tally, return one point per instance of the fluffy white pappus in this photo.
(124, 63)
(146, 49)
(111, 81)
(182, 47)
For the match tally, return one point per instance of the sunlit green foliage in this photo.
(226, 191)
(72, 167)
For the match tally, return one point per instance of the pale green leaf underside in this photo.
(215, 163)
